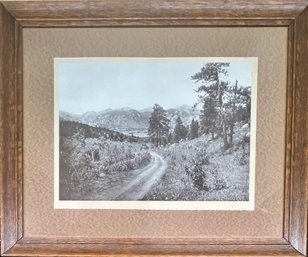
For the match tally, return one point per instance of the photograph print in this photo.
(155, 133)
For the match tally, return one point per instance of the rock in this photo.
(245, 126)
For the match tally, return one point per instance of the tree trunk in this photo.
(225, 137)
(231, 132)
(233, 112)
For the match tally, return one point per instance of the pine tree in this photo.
(237, 102)
(212, 93)
(244, 106)
(223, 103)
(209, 117)
(194, 129)
(158, 126)
(180, 131)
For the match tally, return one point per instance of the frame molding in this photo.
(16, 15)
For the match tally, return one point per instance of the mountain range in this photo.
(130, 121)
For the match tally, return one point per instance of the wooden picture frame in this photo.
(16, 15)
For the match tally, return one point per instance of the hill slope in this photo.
(71, 128)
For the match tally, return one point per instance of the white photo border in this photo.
(158, 205)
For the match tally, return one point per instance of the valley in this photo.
(99, 163)
(130, 121)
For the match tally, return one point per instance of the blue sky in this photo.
(98, 84)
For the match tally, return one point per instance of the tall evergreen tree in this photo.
(209, 116)
(212, 92)
(223, 103)
(244, 106)
(180, 131)
(237, 103)
(158, 126)
(194, 129)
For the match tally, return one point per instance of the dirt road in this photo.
(134, 185)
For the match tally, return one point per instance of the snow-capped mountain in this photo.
(185, 112)
(69, 116)
(125, 120)
(130, 121)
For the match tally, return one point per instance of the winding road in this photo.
(134, 185)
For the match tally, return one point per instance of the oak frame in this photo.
(16, 15)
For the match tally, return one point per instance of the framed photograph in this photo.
(155, 133)
(153, 128)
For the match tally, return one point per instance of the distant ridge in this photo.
(130, 121)
(70, 128)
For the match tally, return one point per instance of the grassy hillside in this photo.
(71, 128)
(88, 154)
(200, 169)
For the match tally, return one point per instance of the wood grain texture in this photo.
(19, 122)
(289, 126)
(8, 131)
(299, 172)
(151, 250)
(153, 241)
(150, 12)
(144, 13)
(150, 22)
